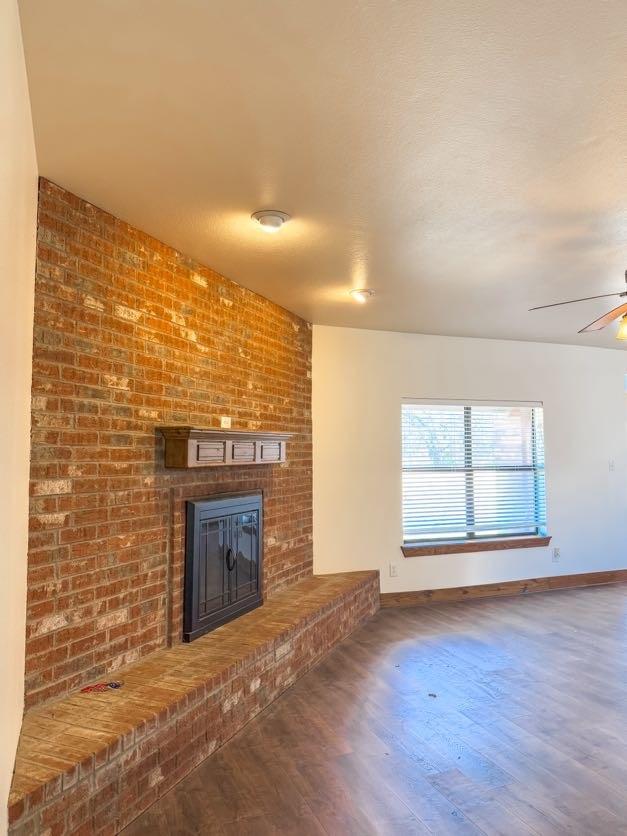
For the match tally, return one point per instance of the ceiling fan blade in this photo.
(571, 301)
(604, 320)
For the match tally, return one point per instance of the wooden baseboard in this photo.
(496, 590)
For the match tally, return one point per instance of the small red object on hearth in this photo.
(101, 686)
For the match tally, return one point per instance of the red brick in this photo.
(130, 334)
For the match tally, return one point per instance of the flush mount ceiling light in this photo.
(270, 220)
(362, 294)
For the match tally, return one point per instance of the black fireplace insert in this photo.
(223, 561)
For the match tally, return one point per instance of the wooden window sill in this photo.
(429, 549)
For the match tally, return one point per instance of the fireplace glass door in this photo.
(222, 561)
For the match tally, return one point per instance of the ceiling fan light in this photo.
(621, 334)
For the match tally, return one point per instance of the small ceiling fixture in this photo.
(270, 220)
(362, 294)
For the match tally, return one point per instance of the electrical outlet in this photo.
(225, 422)
(556, 555)
(393, 570)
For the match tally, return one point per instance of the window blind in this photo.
(472, 470)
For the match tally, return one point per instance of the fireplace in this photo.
(223, 561)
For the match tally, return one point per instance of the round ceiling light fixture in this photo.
(270, 220)
(362, 294)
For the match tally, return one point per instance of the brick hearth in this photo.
(90, 763)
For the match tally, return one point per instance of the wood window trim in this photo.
(467, 546)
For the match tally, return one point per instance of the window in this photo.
(472, 470)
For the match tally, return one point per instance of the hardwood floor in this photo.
(498, 717)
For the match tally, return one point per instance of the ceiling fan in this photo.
(604, 320)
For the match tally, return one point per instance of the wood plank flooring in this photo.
(491, 717)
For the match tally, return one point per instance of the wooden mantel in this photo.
(197, 447)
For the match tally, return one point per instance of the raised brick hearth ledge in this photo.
(91, 763)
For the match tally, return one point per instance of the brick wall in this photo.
(130, 334)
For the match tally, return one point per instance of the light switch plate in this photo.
(225, 422)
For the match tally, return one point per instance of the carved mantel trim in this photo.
(187, 447)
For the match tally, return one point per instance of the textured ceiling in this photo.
(464, 158)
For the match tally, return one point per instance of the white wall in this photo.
(18, 207)
(359, 380)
